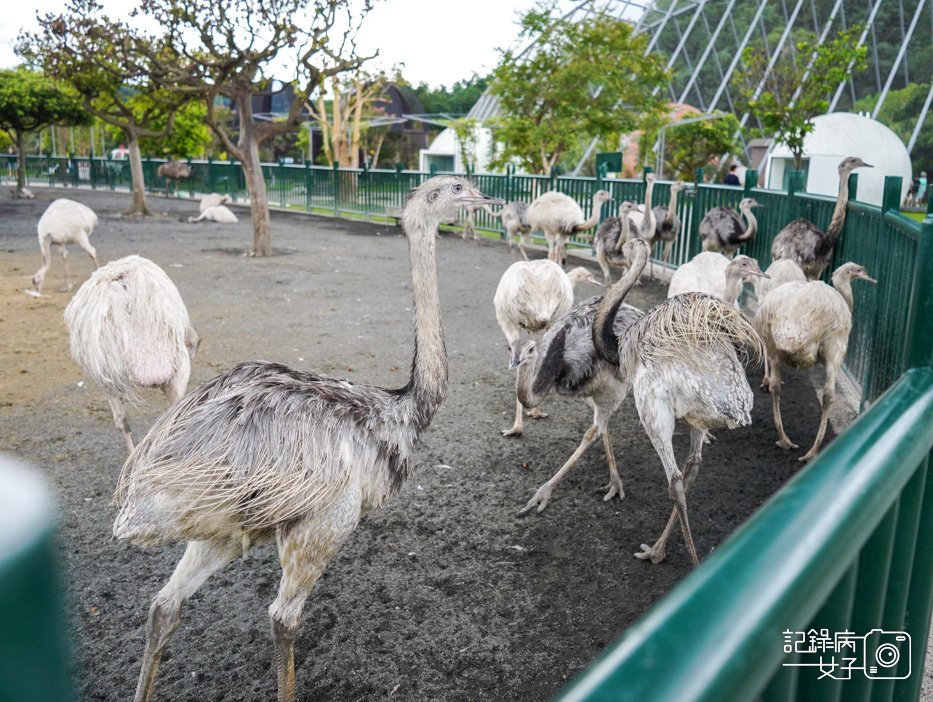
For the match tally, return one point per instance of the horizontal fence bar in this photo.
(718, 634)
(886, 243)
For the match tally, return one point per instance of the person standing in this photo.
(731, 177)
(922, 190)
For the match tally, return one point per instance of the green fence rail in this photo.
(844, 546)
(887, 326)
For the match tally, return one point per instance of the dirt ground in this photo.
(445, 594)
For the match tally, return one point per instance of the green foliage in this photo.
(465, 129)
(695, 145)
(796, 89)
(29, 100)
(188, 137)
(585, 79)
(900, 112)
(456, 100)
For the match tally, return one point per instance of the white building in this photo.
(834, 137)
(444, 151)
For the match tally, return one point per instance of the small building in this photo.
(834, 137)
(444, 152)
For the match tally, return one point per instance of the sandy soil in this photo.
(446, 594)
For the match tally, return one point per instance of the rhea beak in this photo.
(865, 276)
(761, 274)
(482, 200)
(515, 360)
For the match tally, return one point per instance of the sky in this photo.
(438, 41)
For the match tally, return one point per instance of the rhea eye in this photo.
(457, 187)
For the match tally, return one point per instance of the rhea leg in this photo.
(604, 264)
(118, 408)
(657, 417)
(829, 394)
(658, 552)
(518, 426)
(774, 387)
(615, 482)
(201, 560)
(85, 244)
(305, 549)
(68, 284)
(543, 495)
(521, 245)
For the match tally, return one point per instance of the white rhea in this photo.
(560, 217)
(714, 274)
(266, 452)
(680, 359)
(514, 218)
(804, 243)
(213, 200)
(803, 323)
(64, 222)
(129, 329)
(530, 297)
(217, 213)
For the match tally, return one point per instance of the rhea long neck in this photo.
(648, 224)
(839, 213)
(733, 287)
(843, 286)
(604, 339)
(672, 205)
(594, 216)
(427, 387)
(752, 226)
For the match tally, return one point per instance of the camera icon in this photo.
(886, 655)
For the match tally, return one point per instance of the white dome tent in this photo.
(834, 137)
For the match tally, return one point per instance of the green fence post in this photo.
(853, 187)
(147, 172)
(308, 185)
(280, 176)
(891, 196)
(795, 184)
(693, 242)
(336, 169)
(918, 348)
(751, 182)
(190, 182)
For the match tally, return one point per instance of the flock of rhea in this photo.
(264, 452)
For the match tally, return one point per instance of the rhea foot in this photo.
(651, 553)
(536, 413)
(785, 443)
(540, 498)
(808, 456)
(614, 488)
(516, 430)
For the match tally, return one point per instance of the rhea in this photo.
(266, 452)
(129, 329)
(560, 217)
(64, 222)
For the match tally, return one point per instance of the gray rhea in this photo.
(567, 362)
(804, 243)
(668, 223)
(680, 359)
(611, 237)
(722, 228)
(266, 452)
(173, 171)
(514, 218)
(803, 323)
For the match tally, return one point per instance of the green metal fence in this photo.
(844, 546)
(886, 243)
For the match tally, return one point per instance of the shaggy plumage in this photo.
(213, 200)
(173, 171)
(64, 222)
(566, 361)
(560, 217)
(217, 213)
(263, 450)
(682, 363)
(804, 243)
(514, 218)
(129, 329)
(722, 228)
(714, 274)
(803, 323)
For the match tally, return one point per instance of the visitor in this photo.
(922, 189)
(912, 190)
(731, 177)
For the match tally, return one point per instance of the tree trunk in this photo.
(139, 206)
(259, 202)
(21, 162)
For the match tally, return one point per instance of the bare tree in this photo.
(106, 61)
(342, 125)
(226, 49)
